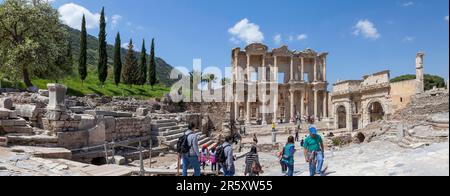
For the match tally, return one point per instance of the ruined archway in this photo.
(341, 113)
(376, 111)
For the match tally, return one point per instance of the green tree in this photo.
(152, 67)
(102, 52)
(430, 81)
(82, 59)
(117, 60)
(209, 78)
(32, 40)
(142, 73)
(130, 66)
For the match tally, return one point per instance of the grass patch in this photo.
(92, 86)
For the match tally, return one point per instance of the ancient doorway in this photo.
(341, 117)
(376, 112)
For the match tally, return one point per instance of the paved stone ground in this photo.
(379, 158)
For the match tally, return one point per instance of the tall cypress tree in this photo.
(152, 68)
(117, 60)
(142, 75)
(102, 54)
(82, 61)
(130, 66)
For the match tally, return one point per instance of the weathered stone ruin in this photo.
(88, 125)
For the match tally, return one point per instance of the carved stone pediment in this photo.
(282, 51)
(256, 49)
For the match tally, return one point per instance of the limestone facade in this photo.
(357, 103)
(300, 78)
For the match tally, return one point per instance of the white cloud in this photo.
(115, 20)
(367, 29)
(246, 32)
(302, 37)
(277, 39)
(409, 39)
(291, 38)
(72, 14)
(446, 18)
(407, 4)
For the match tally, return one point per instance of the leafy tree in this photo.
(82, 61)
(142, 73)
(117, 60)
(130, 66)
(32, 40)
(102, 52)
(152, 68)
(430, 81)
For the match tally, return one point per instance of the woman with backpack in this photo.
(288, 155)
(213, 159)
(252, 165)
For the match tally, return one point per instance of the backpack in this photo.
(183, 146)
(220, 154)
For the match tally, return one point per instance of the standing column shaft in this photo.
(292, 68)
(324, 69)
(275, 99)
(248, 109)
(302, 69)
(302, 103)
(292, 105)
(324, 106)
(315, 104)
(315, 70)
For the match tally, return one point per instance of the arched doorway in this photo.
(376, 112)
(341, 117)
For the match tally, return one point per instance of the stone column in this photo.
(248, 107)
(292, 92)
(324, 106)
(57, 95)
(315, 69)
(316, 106)
(302, 69)
(275, 99)
(420, 88)
(302, 103)
(236, 109)
(324, 69)
(292, 69)
(264, 95)
(349, 117)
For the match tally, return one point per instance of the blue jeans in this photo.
(315, 166)
(227, 172)
(290, 169)
(191, 161)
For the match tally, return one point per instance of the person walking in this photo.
(190, 152)
(225, 157)
(314, 152)
(252, 164)
(288, 155)
(204, 156)
(212, 159)
(282, 164)
(297, 135)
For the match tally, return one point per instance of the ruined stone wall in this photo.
(216, 113)
(402, 93)
(378, 78)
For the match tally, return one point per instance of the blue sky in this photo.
(362, 37)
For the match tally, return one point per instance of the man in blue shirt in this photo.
(314, 152)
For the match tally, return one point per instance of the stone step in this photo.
(168, 132)
(3, 141)
(174, 136)
(412, 139)
(165, 124)
(173, 127)
(203, 141)
(156, 122)
(26, 130)
(33, 140)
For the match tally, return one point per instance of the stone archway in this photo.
(376, 111)
(341, 113)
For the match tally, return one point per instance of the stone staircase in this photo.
(168, 131)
